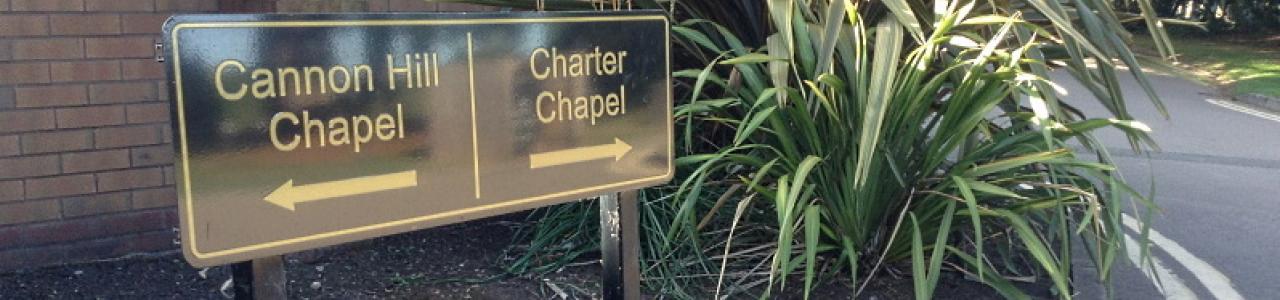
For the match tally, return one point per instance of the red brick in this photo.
(148, 113)
(130, 179)
(447, 7)
(28, 166)
(119, 5)
(24, 258)
(138, 221)
(145, 68)
(18, 73)
(47, 5)
(87, 250)
(94, 204)
(249, 6)
(50, 96)
(104, 248)
(6, 50)
(377, 5)
(116, 137)
(24, 25)
(6, 98)
(11, 236)
(290, 6)
(84, 24)
(9, 145)
(168, 175)
(57, 141)
(162, 90)
(95, 161)
(26, 120)
(122, 92)
(186, 5)
(311, 6)
(157, 197)
(166, 134)
(50, 48)
(119, 47)
(29, 211)
(90, 250)
(151, 156)
(59, 186)
(411, 5)
(12, 190)
(120, 226)
(144, 23)
(90, 116)
(151, 242)
(84, 71)
(61, 232)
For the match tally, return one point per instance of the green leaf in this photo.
(812, 227)
(972, 204)
(888, 45)
(985, 187)
(991, 278)
(989, 20)
(935, 261)
(919, 277)
(752, 124)
(904, 15)
(1019, 161)
(1031, 239)
(751, 58)
(832, 23)
(697, 37)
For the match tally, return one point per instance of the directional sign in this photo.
(300, 131)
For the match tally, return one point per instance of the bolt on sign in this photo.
(301, 131)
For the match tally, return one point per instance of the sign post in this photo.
(300, 131)
(260, 278)
(620, 245)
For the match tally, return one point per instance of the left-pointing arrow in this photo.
(289, 195)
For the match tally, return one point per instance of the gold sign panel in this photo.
(301, 131)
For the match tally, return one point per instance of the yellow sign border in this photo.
(189, 242)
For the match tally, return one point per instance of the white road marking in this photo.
(1166, 282)
(1215, 281)
(1244, 109)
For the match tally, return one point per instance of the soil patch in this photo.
(461, 261)
(453, 262)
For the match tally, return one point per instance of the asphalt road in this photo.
(1217, 182)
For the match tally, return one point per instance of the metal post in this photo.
(620, 245)
(261, 278)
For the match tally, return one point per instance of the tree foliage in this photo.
(1216, 15)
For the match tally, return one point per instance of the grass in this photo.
(1239, 67)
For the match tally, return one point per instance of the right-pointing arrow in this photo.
(560, 157)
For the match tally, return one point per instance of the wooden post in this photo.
(620, 245)
(261, 278)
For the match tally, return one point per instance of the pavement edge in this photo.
(1259, 100)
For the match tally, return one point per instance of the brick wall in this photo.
(85, 144)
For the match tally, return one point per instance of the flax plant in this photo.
(841, 137)
(923, 137)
